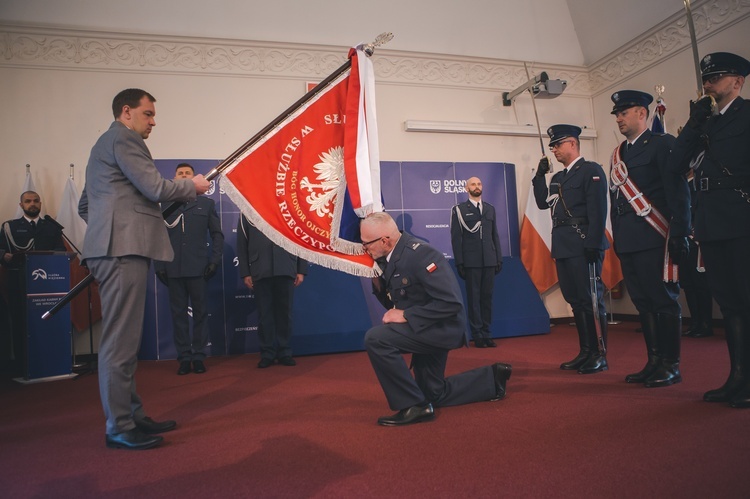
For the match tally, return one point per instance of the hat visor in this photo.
(559, 139)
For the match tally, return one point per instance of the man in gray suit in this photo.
(120, 203)
(195, 262)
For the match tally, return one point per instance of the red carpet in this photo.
(310, 431)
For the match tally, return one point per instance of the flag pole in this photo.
(218, 169)
(369, 49)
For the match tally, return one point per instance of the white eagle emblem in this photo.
(322, 194)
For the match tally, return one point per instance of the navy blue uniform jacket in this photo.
(190, 239)
(480, 248)
(721, 213)
(647, 162)
(419, 281)
(584, 190)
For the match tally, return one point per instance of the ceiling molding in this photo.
(664, 41)
(50, 47)
(43, 47)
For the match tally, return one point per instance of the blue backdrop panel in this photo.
(330, 312)
(333, 310)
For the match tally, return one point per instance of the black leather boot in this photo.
(648, 324)
(597, 362)
(691, 297)
(702, 327)
(734, 327)
(668, 332)
(583, 342)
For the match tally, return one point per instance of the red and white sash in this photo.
(619, 179)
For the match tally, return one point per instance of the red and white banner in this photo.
(294, 183)
(536, 245)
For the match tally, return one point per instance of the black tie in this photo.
(565, 171)
(479, 207)
(33, 224)
(627, 146)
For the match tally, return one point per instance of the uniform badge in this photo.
(405, 281)
(595, 179)
(415, 245)
(431, 268)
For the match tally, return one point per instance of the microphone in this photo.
(53, 222)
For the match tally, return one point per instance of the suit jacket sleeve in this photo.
(457, 237)
(242, 257)
(302, 266)
(676, 190)
(217, 236)
(596, 207)
(496, 239)
(541, 192)
(83, 206)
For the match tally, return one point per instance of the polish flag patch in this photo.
(431, 267)
(595, 179)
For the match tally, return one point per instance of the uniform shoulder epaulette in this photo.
(415, 245)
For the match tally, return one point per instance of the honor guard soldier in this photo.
(476, 248)
(717, 148)
(190, 229)
(650, 223)
(577, 198)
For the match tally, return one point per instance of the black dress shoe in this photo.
(264, 362)
(502, 374)
(185, 368)
(488, 342)
(199, 367)
(480, 343)
(150, 427)
(411, 415)
(287, 361)
(133, 439)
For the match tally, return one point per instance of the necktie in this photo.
(565, 171)
(479, 207)
(33, 224)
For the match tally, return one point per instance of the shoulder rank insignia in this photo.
(415, 245)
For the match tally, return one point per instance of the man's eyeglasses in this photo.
(367, 243)
(713, 79)
(558, 144)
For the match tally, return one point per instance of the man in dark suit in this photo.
(272, 273)
(27, 233)
(577, 198)
(120, 203)
(717, 148)
(476, 249)
(425, 317)
(650, 216)
(190, 228)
